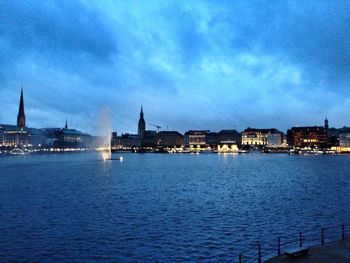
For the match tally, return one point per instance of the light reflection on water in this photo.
(150, 207)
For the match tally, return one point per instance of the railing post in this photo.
(300, 240)
(322, 236)
(343, 232)
(259, 253)
(279, 246)
(240, 258)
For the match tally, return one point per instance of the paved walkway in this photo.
(334, 252)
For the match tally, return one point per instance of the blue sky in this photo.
(192, 64)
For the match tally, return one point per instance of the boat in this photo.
(17, 151)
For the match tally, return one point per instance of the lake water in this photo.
(163, 207)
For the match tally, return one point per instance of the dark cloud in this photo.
(58, 28)
(312, 35)
(192, 64)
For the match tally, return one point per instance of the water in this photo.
(164, 208)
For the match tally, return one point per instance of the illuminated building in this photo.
(16, 136)
(227, 141)
(260, 137)
(195, 138)
(13, 136)
(227, 147)
(313, 137)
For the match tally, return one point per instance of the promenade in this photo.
(338, 251)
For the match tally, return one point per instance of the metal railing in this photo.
(257, 252)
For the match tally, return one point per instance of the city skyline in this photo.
(141, 127)
(192, 65)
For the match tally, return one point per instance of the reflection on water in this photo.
(163, 207)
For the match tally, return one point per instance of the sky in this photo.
(191, 64)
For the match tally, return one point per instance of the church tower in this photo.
(326, 126)
(142, 125)
(21, 118)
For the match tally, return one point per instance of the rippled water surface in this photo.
(164, 207)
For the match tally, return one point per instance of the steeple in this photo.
(21, 118)
(326, 126)
(66, 126)
(141, 125)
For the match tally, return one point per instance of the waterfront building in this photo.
(149, 138)
(211, 140)
(66, 138)
(227, 141)
(307, 137)
(71, 138)
(276, 140)
(344, 140)
(16, 135)
(195, 138)
(334, 135)
(339, 139)
(259, 137)
(169, 139)
(114, 139)
(13, 136)
(127, 141)
(227, 147)
(229, 136)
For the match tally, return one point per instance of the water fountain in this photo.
(105, 130)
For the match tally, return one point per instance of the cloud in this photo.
(192, 64)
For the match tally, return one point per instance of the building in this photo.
(66, 138)
(227, 147)
(275, 140)
(195, 138)
(127, 141)
(13, 136)
(334, 136)
(149, 138)
(211, 140)
(344, 140)
(259, 137)
(169, 139)
(229, 136)
(16, 135)
(307, 137)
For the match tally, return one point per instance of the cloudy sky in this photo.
(192, 64)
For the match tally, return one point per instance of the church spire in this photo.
(326, 125)
(141, 125)
(66, 126)
(21, 118)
